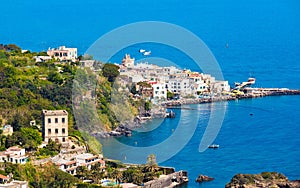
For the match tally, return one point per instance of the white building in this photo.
(159, 90)
(41, 59)
(220, 86)
(85, 159)
(14, 155)
(182, 86)
(63, 54)
(88, 160)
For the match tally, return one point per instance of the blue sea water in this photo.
(263, 41)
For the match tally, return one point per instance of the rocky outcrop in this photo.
(263, 180)
(203, 178)
(119, 131)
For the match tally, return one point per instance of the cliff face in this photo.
(263, 180)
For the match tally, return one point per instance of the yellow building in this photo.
(55, 125)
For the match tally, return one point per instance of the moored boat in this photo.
(147, 53)
(142, 50)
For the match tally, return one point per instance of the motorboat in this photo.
(147, 53)
(213, 146)
(142, 50)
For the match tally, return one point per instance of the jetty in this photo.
(246, 93)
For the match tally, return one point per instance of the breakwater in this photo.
(247, 93)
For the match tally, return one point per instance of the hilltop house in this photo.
(14, 154)
(63, 54)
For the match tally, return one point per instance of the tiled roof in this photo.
(3, 177)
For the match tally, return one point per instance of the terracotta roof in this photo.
(3, 177)
(70, 162)
(14, 148)
(72, 168)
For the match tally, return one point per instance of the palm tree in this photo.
(116, 174)
(151, 165)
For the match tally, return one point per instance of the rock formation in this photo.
(263, 180)
(202, 178)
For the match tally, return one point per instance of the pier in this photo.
(247, 93)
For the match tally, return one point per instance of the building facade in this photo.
(14, 155)
(159, 90)
(55, 126)
(63, 54)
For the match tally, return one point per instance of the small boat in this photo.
(147, 53)
(251, 80)
(142, 50)
(213, 146)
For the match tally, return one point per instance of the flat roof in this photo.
(55, 112)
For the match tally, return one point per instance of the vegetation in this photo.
(110, 71)
(27, 87)
(264, 179)
(47, 176)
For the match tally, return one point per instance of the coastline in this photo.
(126, 128)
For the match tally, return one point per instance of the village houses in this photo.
(183, 83)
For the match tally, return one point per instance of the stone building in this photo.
(55, 125)
(128, 61)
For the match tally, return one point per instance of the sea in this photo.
(258, 38)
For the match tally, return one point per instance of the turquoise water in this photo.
(266, 141)
(263, 41)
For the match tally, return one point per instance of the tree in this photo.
(31, 138)
(55, 77)
(133, 89)
(151, 164)
(82, 172)
(117, 174)
(51, 149)
(151, 160)
(170, 95)
(110, 71)
(148, 105)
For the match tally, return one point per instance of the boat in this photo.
(142, 50)
(147, 53)
(251, 80)
(213, 146)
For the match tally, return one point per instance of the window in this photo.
(63, 120)
(49, 131)
(63, 139)
(56, 120)
(63, 130)
(49, 120)
(56, 131)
